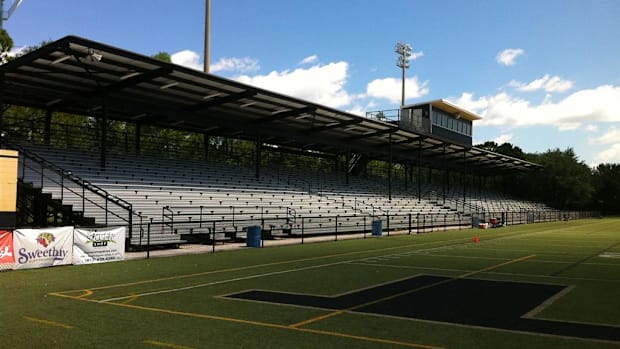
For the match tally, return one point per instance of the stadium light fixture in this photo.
(404, 52)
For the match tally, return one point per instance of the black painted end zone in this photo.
(493, 304)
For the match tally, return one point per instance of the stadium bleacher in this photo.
(197, 197)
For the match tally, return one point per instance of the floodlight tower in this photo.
(207, 35)
(12, 9)
(404, 52)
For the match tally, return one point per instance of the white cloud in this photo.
(508, 56)
(309, 60)
(235, 64)
(547, 83)
(15, 51)
(187, 58)
(610, 155)
(323, 84)
(416, 55)
(391, 89)
(591, 128)
(503, 138)
(611, 136)
(599, 104)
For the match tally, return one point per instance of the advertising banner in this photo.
(7, 257)
(37, 248)
(98, 246)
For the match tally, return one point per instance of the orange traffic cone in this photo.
(476, 239)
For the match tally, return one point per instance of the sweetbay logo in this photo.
(44, 240)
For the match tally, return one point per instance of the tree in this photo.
(505, 149)
(606, 181)
(564, 182)
(163, 56)
(6, 45)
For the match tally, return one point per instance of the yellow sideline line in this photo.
(92, 289)
(339, 312)
(86, 293)
(165, 345)
(48, 322)
(464, 239)
(256, 323)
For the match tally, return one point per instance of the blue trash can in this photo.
(254, 236)
(475, 221)
(376, 227)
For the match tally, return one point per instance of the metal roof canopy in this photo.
(81, 76)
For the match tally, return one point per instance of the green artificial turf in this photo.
(177, 302)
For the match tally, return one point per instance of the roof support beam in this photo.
(287, 114)
(335, 125)
(371, 134)
(223, 100)
(132, 81)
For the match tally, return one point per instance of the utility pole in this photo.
(207, 35)
(12, 9)
(404, 52)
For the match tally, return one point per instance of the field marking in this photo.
(466, 241)
(400, 294)
(185, 288)
(48, 322)
(168, 290)
(489, 272)
(86, 293)
(378, 340)
(166, 345)
(575, 264)
(532, 313)
(176, 277)
(259, 323)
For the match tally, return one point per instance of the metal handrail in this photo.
(84, 184)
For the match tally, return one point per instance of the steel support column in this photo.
(463, 182)
(443, 182)
(419, 170)
(390, 167)
(48, 127)
(104, 134)
(2, 109)
(346, 167)
(259, 150)
(206, 140)
(138, 139)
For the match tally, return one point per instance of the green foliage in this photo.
(163, 56)
(505, 149)
(606, 181)
(6, 44)
(564, 182)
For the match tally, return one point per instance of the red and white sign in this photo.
(37, 248)
(7, 257)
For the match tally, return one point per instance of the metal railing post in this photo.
(409, 225)
(336, 230)
(148, 240)
(302, 229)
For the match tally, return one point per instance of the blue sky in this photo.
(543, 74)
